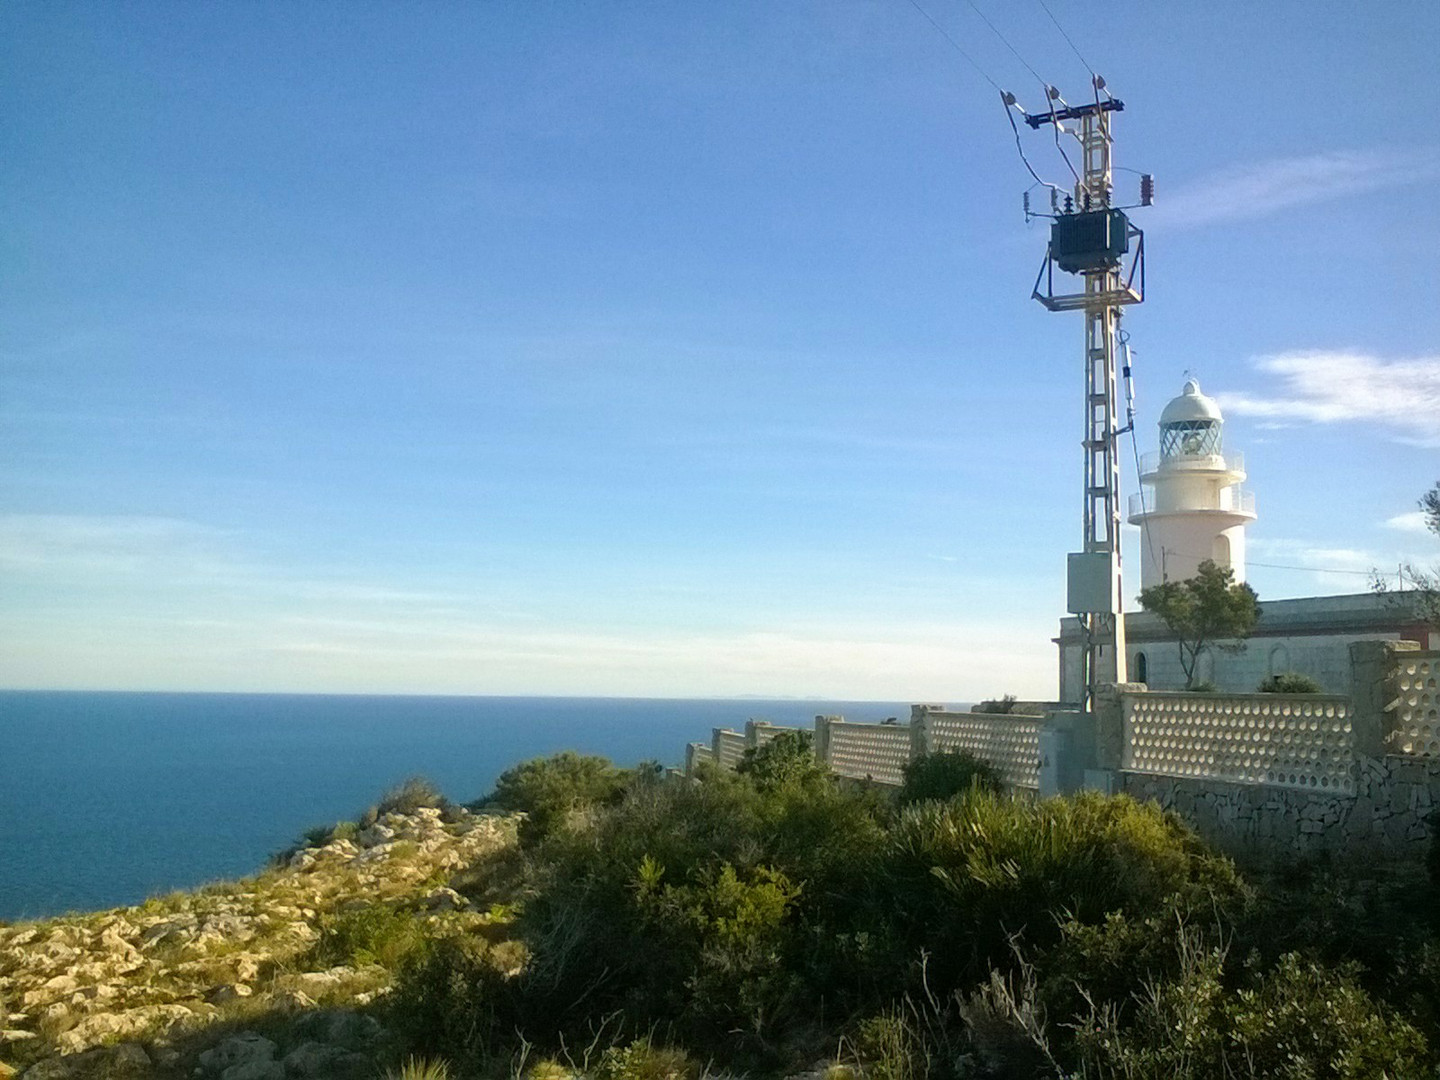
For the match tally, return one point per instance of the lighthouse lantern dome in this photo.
(1191, 424)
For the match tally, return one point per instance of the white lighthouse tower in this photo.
(1195, 508)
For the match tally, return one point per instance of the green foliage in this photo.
(411, 795)
(1002, 871)
(754, 916)
(728, 931)
(945, 775)
(1206, 609)
(890, 1048)
(1290, 682)
(1297, 1020)
(420, 1069)
(449, 999)
(548, 790)
(376, 934)
(642, 1060)
(788, 758)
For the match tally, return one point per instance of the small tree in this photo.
(1419, 591)
(1209, 609)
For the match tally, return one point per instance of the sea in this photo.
(109, 798)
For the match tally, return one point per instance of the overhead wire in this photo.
(1044, 86)
(1074, 48)
(956, 45)
(1006, 42)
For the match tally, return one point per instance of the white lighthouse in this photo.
(1195, 508)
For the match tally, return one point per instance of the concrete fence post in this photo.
(1373, 694)
(1109, 751)
(919, 730)
(715, 734)
(822, 739)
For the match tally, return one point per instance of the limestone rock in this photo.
(55, 1068)
(130, 1056)
(228, 992)
(312, 1059)
(247, 1048)
(443, 899)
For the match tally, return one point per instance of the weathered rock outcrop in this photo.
(240, 981)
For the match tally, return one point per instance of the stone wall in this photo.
(1389, 813)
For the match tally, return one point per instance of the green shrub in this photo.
(449, 999)
(420, 1069)
(642, 1060)
(1297, 1020)
(549, 789)
(981, 874)
(377, 934)
(889, 1047)
(728, 931)
(945, 775)
(411, 795)
(1289, 682)
(667, 907)
(788, 758)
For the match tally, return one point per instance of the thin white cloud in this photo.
(1328, 387)
(101, 543)
(1258, 190)
(1413, 522)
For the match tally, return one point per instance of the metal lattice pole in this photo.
(1104, 632)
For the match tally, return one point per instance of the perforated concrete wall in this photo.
(876, 752)
(1300, 741)
(1416, 727)
(1009, 742)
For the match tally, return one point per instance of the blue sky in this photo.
(666, 349)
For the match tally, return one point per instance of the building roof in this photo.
(1352, 613)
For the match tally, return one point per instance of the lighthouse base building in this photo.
(1310, 635)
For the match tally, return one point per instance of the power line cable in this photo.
(1006, 42)
(1044, 86)
(955, 45)
(1068, 41)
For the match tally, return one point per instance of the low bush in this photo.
(411, 795)
(420, 1069)
(788, 758)
(642, 1060)
(449, 999)
(1290, 682)
(986, 873)
(376, 934)
(945, 775)
(1297, 1019)
(549, 789)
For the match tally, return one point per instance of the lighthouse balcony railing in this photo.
(1232, 501)
(1230, 462)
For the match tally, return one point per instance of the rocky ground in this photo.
(276, 976)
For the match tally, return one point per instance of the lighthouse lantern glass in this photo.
(1190, 438)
